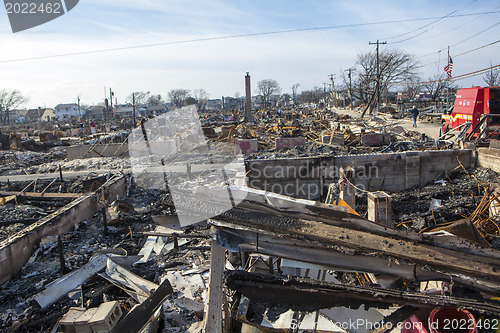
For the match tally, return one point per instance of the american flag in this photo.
(449, 67)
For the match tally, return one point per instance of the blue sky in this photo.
(219, 66)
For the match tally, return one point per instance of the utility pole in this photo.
(349, 74)
(378, 73)
(105, 112)
(111, 94)
(79, 111)
(332, 90)
(133, 110)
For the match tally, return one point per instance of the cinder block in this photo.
(67, 322)
(106, 317)
(81, 324)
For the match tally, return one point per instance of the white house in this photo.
(66, 111)
(214, 104)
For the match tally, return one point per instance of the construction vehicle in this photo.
(475, 114)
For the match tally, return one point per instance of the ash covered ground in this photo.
(18, 310)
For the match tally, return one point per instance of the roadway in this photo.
(428, 128)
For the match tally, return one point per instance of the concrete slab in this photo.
(87, 151)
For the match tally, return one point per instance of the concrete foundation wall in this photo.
(308, 177)
(112, 149)
(16, 250)
(489, 158)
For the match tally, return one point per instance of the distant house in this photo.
(402, 97)
(40, 114)
(16, 118)
(33, 115)
(124, 110)
(46, 114)
(21, 112)
(156, 109)
(214, 104)
(258, 101)
(274, 99)
(95, 112)
(66, 111)
(232, 103)
(423, 97)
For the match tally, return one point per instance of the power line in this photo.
(461, 25)
(420, 28)
(276, 32)
(466, 52)
(427, 25)
(409, 38)
(437, 62)
(455, 78)
(478, 48)
(492, 26)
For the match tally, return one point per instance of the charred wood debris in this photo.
(272, 263)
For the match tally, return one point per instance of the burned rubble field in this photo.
(19, 311)
(12, 161)
(459, 192)
(16, 216)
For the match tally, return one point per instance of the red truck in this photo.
(478, 106)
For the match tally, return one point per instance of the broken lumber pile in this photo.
(321, 234)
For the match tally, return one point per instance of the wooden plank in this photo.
(7, 199)
(213, 310)
(141, 315)
(174, 234)
(40, 195)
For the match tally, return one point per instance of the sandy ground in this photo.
(428, 128)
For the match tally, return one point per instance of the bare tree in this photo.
(435, 86)
(9, 100)
(138, 97)
(413, 87)
(311, 96)
(267, 88)
(155, 100)
(492, 77)
(395, 67)
(294, 92)
(178, 96)
(201, 97)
